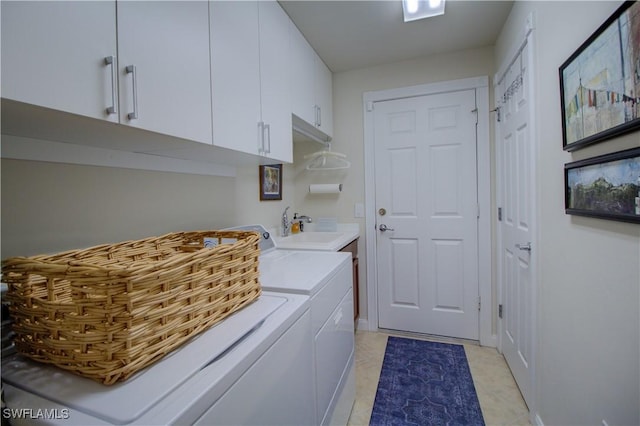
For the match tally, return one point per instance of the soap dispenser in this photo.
(295, 224)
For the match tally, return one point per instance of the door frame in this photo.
(485, 254)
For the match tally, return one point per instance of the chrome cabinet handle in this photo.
(384, 227)
(267, 127)
(318, 115)
(260, 137)
(131, 69)
(525, 247)
(110, 60)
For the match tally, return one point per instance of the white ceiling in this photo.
(356, 34)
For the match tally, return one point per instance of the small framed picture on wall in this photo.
(271, 182)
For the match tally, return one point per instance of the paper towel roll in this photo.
(329, 188)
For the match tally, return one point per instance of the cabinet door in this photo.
(235, 75)
(168, 44)
(274, 80)
(303, 97)
(53, 55)
(324, 96)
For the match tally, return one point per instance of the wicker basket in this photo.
(108, 311)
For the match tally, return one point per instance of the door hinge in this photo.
(479, 303)
(500, 311)
(475, 111)
(370, 106)
(478, 211)
(497, 111)
(499, 214)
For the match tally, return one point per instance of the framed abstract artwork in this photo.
(607, 186)
(600, 82)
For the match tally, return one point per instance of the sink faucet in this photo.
(286, 226)
(305, 218)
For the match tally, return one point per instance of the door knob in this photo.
(526, 247)
(384, 227)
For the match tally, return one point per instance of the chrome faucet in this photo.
(302, 219)
(305, 218)
(286, 226)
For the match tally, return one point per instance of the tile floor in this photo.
(499, 397)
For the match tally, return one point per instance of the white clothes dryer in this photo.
(327, 278)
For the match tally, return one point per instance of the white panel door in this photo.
(53, 55)
(515, 149)
(168, 43)
(426, 193)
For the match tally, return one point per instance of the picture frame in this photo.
(270, 182)
(600, 82)
(606, 187)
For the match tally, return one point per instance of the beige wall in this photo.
(50, 207)
(348, 89)
(588, 346)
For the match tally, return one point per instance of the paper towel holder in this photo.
(331, 188)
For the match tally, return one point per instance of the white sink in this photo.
(325, 241)
(314, 237)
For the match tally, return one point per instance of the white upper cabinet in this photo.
(311, 84)
(250, 78)
(324, 96)
(274, 81)
(303, 69)
(64, 55)
(235, 75)
(163, 53)
(53, 55)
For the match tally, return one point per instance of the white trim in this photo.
(481, 86)
(537, 420)
(20, 148)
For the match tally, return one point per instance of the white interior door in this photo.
(426, 197)
(516, 212)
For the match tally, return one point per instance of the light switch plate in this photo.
(358, 210)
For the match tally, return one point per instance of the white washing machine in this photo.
(253, 368)
(327, 278)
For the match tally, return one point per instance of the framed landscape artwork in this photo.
(607, 186)
(600, 82)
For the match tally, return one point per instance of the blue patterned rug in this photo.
(425, 383)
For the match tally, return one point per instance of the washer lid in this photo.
(123, 403)
(303, 272)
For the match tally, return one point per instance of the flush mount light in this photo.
(419, 9)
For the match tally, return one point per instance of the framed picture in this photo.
(271, 182)
(607, 186)
(600, 82)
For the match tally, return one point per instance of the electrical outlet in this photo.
(358, 210)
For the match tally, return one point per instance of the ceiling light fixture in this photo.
(419, 9)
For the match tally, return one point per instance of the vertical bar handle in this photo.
(260, 137)
(268, 138)
(319, 113)
(131, 69)
(110, 60)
